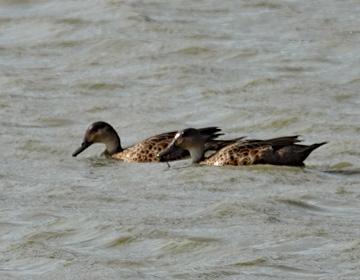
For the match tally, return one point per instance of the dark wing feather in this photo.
(161, 137)
(211, 132)
(275, 143)
(215, 145)
(283, 141)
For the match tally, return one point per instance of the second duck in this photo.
(276, 151)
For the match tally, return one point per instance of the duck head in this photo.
(100, 132)
(189, 139)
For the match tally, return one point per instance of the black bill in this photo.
(83, 146)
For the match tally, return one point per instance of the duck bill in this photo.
(84, 146)
(164, 155)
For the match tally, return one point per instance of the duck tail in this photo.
(311, 148)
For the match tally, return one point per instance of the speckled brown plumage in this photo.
(276, 151)
(147, 150)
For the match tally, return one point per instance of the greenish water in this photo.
(256, 68)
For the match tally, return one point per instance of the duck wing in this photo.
(148, 149)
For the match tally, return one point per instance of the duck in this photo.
(275, 151)
(146, 150)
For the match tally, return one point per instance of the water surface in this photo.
(255, 68)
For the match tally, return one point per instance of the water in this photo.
(256, 68)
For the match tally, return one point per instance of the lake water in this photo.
(256, 68)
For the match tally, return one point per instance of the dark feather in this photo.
(211, 131)
(215, 145)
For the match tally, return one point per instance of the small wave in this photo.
(343, 168)
(228, 209)
(263, 4)
(100, 86)
(296, 270)
(245, 53)
(188, 244)
(118, 241)
(98, 108)
(215, 273)
(300, 204)
(354, 81)
(55, 122)
(101, 161)
(294, 69)
(259, 82)
(252, 262)
(353, 246)
(74, 21)
(195, 51)
(33, 145)
(344, 172)
(237, 209)
(50, 235)
(31, 266)
(265, 263)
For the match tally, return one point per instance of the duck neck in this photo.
(112, 143)
(197, 153)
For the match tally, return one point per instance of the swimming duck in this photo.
(146, 150)
(276, 151)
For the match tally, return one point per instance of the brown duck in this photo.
(276, 151)
(146, 150)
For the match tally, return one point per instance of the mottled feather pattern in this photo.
(277, 151)
(240, 153)
(147, 150)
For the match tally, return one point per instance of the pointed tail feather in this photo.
(311, 148)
